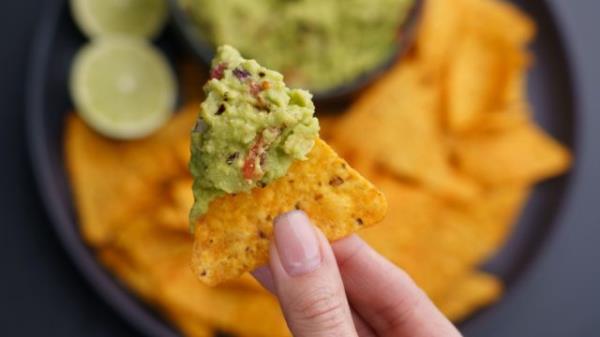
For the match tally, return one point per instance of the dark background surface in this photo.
(41, 293)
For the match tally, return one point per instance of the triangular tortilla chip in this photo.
(399, 120)
(233, 236)
(441, 25)
(475, 290)
(523, 154)
(113, 180)
(437, 242)
(154, 262)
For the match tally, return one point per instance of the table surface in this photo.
(41, 292)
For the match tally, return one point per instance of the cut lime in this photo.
(122, 87)
(143, 18)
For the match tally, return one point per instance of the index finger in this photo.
(385, 296)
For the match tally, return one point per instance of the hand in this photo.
(344, 289)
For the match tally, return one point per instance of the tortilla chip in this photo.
(229, 309)
(500, 19)
(496, 122)
(161, 259)
(327, 124)
(396, 124)
(473, 292)
(524, 154)
(189, 325)
(134, 278)
(440, 28)
(413, 213)
(233, 236)
(112, 180)
(476, 79)
(467, 235)
(435, 241)
(149, 246)
(174, 212)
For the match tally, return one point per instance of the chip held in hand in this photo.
(258, 155)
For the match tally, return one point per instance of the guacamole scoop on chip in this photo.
(251, 128)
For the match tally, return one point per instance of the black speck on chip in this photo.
(336, 181)
(359, 221)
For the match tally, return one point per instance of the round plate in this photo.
(57, 42)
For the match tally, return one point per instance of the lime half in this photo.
(122, 87)
(143, 18)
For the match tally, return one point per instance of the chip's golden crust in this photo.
(400, 115)
(523, 154)
(238, 311)
(189, 325)
(233, 237)
(133, 276)
(104, 172)
(474, 291)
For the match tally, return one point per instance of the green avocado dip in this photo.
(251, 128)
(316, 44)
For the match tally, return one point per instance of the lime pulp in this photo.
(142, 18)
(122, 87)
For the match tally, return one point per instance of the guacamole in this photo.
(251, 128)
(316, 44)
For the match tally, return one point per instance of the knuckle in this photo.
(402, 310)
(322, 307)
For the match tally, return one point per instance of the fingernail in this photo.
(297, 243)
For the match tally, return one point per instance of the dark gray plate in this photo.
(58, 40)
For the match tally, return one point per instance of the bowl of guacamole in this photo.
(331, 47)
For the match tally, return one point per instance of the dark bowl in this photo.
(205, 51)
(542, 224)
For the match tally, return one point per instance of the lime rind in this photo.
(141, 18)
(123, 87)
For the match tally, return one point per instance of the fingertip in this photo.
(297, 243)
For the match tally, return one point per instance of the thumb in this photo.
(307, 280)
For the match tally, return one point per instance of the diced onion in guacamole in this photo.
(251, 128)
(316, 44)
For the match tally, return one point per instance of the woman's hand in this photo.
(344, 289)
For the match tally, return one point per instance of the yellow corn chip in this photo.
(229, 309)
(523, 155)
(474, 291)
(396, 124)
(133, 277)
(174, 213)
(327, 124)
(189, 325)
(494, 122)
(437, 242)
(233, 236)
(440, 28)
(111, 180)
(158, 264)
(499, 19)
(476, 78)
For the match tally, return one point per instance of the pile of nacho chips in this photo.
(447, 135)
